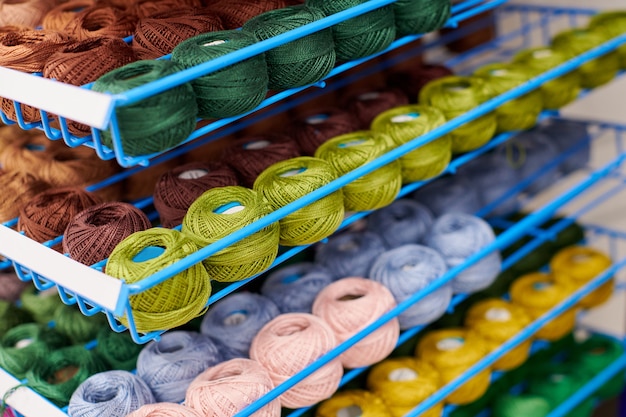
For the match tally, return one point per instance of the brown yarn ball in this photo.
(315, 127)
(101, 20)
(249, 156)
(234, 13)
(18, 188)
(159, 35)
(93, 233)
(177, 189)
(61, 15)
(13, 136)
(47, 215)
(24, 12)
(141, 184)
(368, 104)
(149, 8)
(14, 28)
(412, 82)
(85, 61)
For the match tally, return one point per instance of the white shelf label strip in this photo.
(81, 279)
(78, 104)
(26, 401)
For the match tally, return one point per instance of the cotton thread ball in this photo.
(166, 118)
(301, 338)
(350, 151)
(299, 62)
(403, 383)
(576, 266)
(229, 387)
(59, 16)
(455, 95)
(496, 321)
(449, 194)
(148, 8)
(11, 287)
(111, 393)
(412, 80)
(11, 316)
(235, 320)
(556, 382)
(235, 13)
(524, 404)
(537, 293)
(452, 352)
(24, 12)
(165, 410)
(458, 236)
(408, 269)
(351, 304)
(350, 253)
(369, 103)
(173, 302)
(613, 23)
(520, 113)
(401, 223)
(559, 91)
(414, 17)
(101, 20)
(293, 288)
(40, 304)
(285, 182)
(169, 365)
(18, 189)
(361, 35)
(219, 212)
(79, 328)
(314, 127)
(251, 155)
(406, 123)
(353, 402)
(567, 134)
(595, 354)
(118, 349)
(93, 233)
(234, 90)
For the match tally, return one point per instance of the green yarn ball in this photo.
(362, 35)
(69, 321)
(156, 123)
(11, 316)
(521, 405)
(613, 24)
(230, 91)
(593, 356)
(299, 62)
(221, 211)
(41, 305)
(118, 350)
(413, 17)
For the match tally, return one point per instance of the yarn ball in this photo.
(613, 23)
(449, 194)
(350, 253)
(406, 123)
(169, 365)
(525, 404)
(165, 410)
(227, 388)
(24, 12)
(221, 211)
(301, 338)
(567, 135)
(555, 382)
(457, 237)
(408, 269)
(111, 393)
(93, 233)
(11, 287)
(153, 124)
(235, 13)
(101, 20)
(403, 383)
(71, 322)
(11, 316)
(59, 16)
(293, 288)
(159, 8)
(351, 304)
(455, 95)
(171, 303)
(235, 320)
(18, 189)
(179, 187)
(412, 81)
(40, 304)
(118, 349)
(314, 127)
(284, 182)
(414, 17)
(249, 156)
(594, 355)
(361, 35)
(350, 151)
(353, 402)
(367, 104)
(299, 62)
(401, 223)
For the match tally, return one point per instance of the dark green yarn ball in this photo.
(156, 123)
(299, 62)
(521, 405)
(233, 90)
(69, 321)
(118, 349)
(362, 35)
(420, 16)
(593, 356)
(11, 316)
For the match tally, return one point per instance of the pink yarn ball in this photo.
(288, 344)
(351, 304)
(227, 388)
(164, 410)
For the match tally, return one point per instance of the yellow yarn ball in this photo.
(537, 292)
(454, 96)
(219, 212)
(452, 352)
(350, 151)
(497, 321)
(176, 300)
(405, 123)
(403, 383)
(613, 23)
(577, 265)
(353, 403)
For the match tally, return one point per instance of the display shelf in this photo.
(98, 110)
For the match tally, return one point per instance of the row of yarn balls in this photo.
(222, 389)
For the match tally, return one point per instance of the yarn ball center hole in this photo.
(498, 314)
(541, 286)
(149, 252)
(257, 144)
(403, 118)
(35, 147)
(290, 279)
(350, 411)
(581, 258)
(292, 172)
(457, 86)
(235, 318)
(101, 396)
(316, 119)
(402, 374)
(350, 297)
(450, 343)
(373, 95)
(542, 53)
(600, 350)
(292, 328)
(215, 42)
(556, 378)
(351, 143)
(230, 208)
(64, 374)
(21, 344)
(193, 174)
